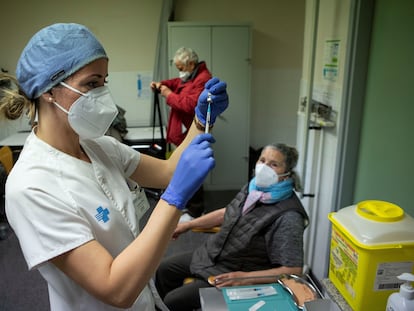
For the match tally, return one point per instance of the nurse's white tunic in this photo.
(55, 203)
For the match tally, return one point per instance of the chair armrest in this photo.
(206, 230)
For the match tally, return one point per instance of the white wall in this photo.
(128, 29)
(276, 59)
(385, 163)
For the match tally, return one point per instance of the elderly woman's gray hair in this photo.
(291, 159)
(186, 55)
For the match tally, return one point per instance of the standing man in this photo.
(181, 95)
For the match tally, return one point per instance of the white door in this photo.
(226, 50)
(197, 38)
(336, 43)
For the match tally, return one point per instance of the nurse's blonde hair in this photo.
(13, 101)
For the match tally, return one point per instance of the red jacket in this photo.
(183, 101)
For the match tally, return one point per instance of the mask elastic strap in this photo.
(72, 89)
(283, 175)
(61, 108)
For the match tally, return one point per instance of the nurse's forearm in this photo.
(119, 281)
(134, 267)
(175, 156)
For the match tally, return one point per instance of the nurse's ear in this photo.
(48, 97)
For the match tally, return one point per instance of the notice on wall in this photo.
(131, 91)
(331, 60)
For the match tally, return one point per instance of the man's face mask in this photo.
(184, 75)
(185, 69)
(91, 115)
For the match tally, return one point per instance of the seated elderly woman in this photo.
(261, 234)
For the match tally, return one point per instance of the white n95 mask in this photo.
(184, 75)
(91, 115)
(265, 176)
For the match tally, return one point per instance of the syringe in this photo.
(210, 101)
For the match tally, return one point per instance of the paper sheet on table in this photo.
(282, 300)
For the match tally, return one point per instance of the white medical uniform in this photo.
(55, 203)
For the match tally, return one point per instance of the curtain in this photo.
(161, 58)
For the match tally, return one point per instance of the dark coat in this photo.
(242, 243)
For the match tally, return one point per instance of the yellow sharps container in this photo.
(372, 243)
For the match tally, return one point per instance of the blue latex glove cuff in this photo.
(170, 197)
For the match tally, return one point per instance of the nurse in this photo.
(68, 197)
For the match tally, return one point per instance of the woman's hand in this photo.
(180, 229)
(238, 278)
(232, 279)
(155, 85)
(164, 90)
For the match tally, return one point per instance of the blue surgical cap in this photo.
(53, 54)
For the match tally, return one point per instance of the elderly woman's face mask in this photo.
(266, 176)
(92, 113)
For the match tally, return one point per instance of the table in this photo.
(143, 133)
(212, 299)
(147, 140)
(15, 140)
(135, 134)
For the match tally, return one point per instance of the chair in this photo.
(201, 230)
(6, 164)
(207, 230)
(6, 158)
